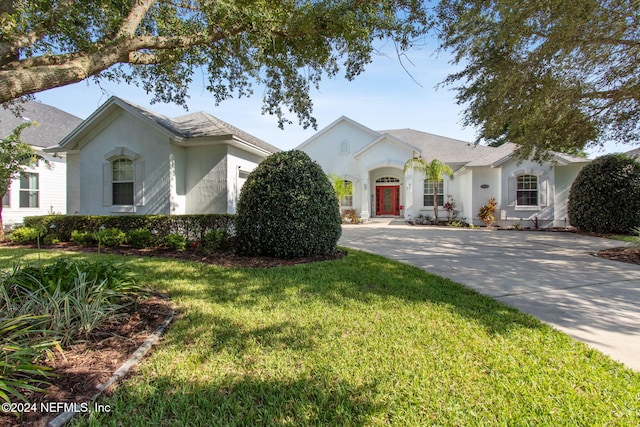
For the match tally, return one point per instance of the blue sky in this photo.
(385, 96)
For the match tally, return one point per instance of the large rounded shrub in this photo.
(605, 197)
(288, 209)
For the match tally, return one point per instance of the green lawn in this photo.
(358, 341)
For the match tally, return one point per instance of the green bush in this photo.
(287, 209)
(217, 239)
(175, 242)
(24, 235)
(192, 227)
(73, 297)
(51, 239)
(20, 345)
(140, 238)
(111, 237)
(83, 238)
(605, 196)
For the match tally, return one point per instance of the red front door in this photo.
(388, 200)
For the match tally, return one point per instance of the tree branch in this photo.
(136, 15)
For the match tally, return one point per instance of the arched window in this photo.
(122, 181)
(527, 190)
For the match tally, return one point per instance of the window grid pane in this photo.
(122, 193)
(527, 191)
(122, 184)
(122, 170)
(29, 190)
(428, 193)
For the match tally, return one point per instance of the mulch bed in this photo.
(630, 255)
(81, 368)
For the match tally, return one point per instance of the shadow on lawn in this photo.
(360, 277)
(245, 401)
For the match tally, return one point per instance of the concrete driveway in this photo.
(551, 275)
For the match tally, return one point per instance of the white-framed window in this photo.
(527, 190)
(6, 199)
(428, 192)
(347, 200)
(122, 182)
(29, 190)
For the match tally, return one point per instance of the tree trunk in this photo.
(435, 200)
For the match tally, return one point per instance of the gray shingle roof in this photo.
(54, 125)
(634, 153)
(445, 149)
(201, 125)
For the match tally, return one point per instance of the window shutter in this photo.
(511, 191)
(107, 195)
(542, 195)
(138, 185)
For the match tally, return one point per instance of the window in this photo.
(527, 190)
(428, 192)
(6, 199)
(347, 200)
(29, 190)
(122, 182)
(387, 179)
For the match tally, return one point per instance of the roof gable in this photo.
(385, 139)
(342, 120)
(183, 129)
(447, 150)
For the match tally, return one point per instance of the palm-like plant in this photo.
(343, 188)
(433, 171)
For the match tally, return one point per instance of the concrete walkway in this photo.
(551, 275)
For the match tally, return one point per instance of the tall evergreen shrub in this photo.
(605, 197)
(288, 209)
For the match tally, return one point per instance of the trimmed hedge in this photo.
(288, 209)
(192, 227)
(605, 196)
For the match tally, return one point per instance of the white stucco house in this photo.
(40, 189)
(373, 162)
(125, 159)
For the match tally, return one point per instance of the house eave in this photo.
(227, 139)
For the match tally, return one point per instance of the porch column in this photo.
(408, 195)
(365, 213)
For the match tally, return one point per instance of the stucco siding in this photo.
(239, 165)
(564, 177)
(544, 212)
(177, 178)
(206, 179)
(483, 177)
(150, 147)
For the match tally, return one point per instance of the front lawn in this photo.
(356, 341)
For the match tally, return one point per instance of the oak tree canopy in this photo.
(546, 74)
(286, 46)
